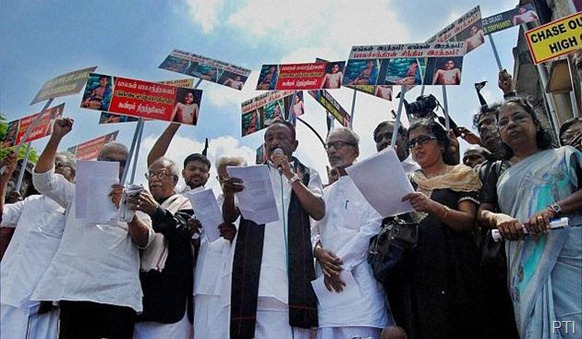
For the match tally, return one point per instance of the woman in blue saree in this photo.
(545, 266)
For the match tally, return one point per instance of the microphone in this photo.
(278, 150)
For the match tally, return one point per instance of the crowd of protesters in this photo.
(158, 275)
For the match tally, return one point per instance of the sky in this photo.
(44, 39)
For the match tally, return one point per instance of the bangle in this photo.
(294, 178)
(447, 209)
(555, 209)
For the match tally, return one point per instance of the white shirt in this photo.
(349, 223)
(39, 223)
(95, 262)
(273, 281)
(409, 165)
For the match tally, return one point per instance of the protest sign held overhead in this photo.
(310, 76)
(206, 68)
(332, 106)
(260, 112)
(89, 150)
(508, 19)
(69, 83)
(17, 128)
(437, 63)
(556, 38)
(467, 28)
(112, 118)
(148, 100)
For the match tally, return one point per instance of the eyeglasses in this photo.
(420, 140)
(61, 165)
(338, 144)
(160, 175)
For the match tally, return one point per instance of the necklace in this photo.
(441, 172)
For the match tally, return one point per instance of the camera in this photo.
(423, 107)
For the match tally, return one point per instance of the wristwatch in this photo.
(294, 178)
(556, 209)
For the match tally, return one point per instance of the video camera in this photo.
(423, 107)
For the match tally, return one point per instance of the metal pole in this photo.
(495, 52)
(136, 157)
(446, 108)
(572, 92)
(353, 109)
(313, 130)
(131, 151)
(23, 168)
(397, 123)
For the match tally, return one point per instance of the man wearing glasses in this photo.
(341, 241)
(166, 265)
(95, 271)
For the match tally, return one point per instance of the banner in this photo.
(260, 112)
(112, 118)
(206, 68)
(437, 63)
(69, 83)
(332, 106)
(311, 76)
(508, 19)
(89, 150)
(556, 38)
(148, 100)
(17, 128)
(467, 28)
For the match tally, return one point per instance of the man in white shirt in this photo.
(341, 241)
(271, 295)
(95, 271)
(39, 222)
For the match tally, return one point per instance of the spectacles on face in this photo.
(338, 144)
(518, 118)
(161, 175)
(420, 140)
(121, 162)
(59, 164)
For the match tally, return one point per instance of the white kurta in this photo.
(94, 262)
(349, 223)
(272, 303)
(39, 223)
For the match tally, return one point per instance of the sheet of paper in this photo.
(257, 201)
(92, 187)
(330, 299)
(382, 181)
(207, 211)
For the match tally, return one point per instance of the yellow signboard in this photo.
(555, 38)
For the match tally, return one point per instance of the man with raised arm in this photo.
(95, 271)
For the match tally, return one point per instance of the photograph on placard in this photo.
(98, 92)
(402, 71)
(187, 107)
(444, 71)
(361, 72)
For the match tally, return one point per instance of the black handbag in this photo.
(388, 248)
